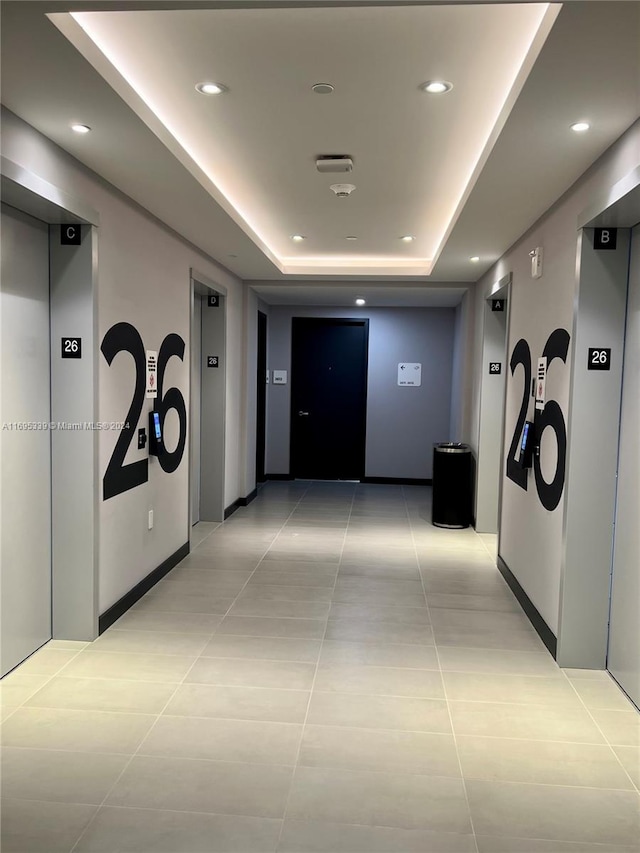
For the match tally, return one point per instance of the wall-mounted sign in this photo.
(605, 238)
(70, 235)
(497, 304)
(71, 348)
(495, 367)
(213, 300)
(541, 381)
(213, 361)
(410, 373)
(152, 373)
(279, 377)
(599, 358)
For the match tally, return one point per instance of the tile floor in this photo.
(325, 673)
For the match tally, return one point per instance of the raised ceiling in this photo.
(465, 173)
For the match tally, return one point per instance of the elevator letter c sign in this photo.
(70, 235)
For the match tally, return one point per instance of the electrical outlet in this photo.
(150, 519)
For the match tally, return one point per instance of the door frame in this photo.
(331, 321)
(489, 477)
(212, 404)
(261, 395)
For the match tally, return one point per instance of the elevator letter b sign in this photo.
(605, 238)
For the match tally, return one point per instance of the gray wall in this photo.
(491, 418)
(76, 484)
(144, 279)
(592, 455)
(531, 537)
(403, 423)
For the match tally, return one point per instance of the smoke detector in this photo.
(334, 163)
(342, 190)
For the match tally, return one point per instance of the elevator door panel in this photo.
(25, 449)
(624, 630)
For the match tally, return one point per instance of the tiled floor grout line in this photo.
(444, 687)
(635, 785)
(313, 682)
(148, 733)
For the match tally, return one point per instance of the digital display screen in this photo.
(156, 426)
(525, 436)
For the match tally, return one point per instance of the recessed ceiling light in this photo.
(360, 301)
(407, 238)
(350, 237)
(580, 126)
(436, 87)
(322, 88)
(474, 259)
(298, 238)
(80, 128)
(211, 88)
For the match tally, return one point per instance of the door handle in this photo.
(303, 414)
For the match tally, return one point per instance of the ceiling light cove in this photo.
(80, 128)
(255, 154)
(298, 238)
(474, 259)
(407, 238)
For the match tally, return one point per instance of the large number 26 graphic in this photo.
(557, 346)
(118, 478)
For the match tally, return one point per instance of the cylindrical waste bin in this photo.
(452, 485)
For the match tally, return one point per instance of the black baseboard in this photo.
(546, 634)
(232, 508)
(250, 497)
(134, 595)
(397, 481)
(278, 477)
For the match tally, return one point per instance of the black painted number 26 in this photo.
(118, 478)
(557, 346)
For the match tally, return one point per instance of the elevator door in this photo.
(25, 440)
(624, 628)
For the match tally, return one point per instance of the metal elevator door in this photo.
(623, 660)
(25, 439)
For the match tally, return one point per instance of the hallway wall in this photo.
(531, 539)
(143, 281)
(402, 423)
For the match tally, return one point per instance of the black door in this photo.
(328, 398)
(261, 402)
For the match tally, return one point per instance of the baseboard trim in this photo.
(249, 498)
(278, 477)
(232, 508)
(544, 631)
(397, 481)
(134, 595)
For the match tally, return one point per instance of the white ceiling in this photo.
(414, 154)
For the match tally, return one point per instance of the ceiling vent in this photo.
(334, 163)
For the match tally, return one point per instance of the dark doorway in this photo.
(261, 405)
(328, 398)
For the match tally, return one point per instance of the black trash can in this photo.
(452, 485)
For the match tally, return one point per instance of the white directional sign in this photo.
(410, 373)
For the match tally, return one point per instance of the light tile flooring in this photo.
(326, 672)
